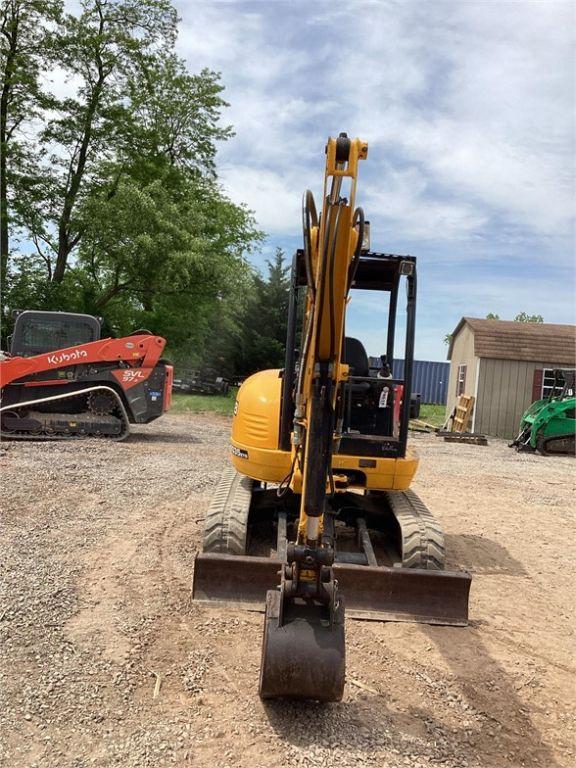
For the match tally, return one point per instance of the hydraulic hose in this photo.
(358, 221)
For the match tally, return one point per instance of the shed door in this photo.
(537, 384)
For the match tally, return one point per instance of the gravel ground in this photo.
(104, 660)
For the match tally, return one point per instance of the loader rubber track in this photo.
(226, 524)
(422, 538)
(557, 445)
(120, 418)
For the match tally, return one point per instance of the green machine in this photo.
(549, 425)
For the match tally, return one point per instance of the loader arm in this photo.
(97, 388)
(144, 351)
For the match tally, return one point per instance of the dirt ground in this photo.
(104, 660)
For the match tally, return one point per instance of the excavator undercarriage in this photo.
(389, 552)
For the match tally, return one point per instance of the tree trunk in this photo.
(65, 242)
(11, 33)
(109, 294)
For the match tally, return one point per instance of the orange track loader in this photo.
(61, 381)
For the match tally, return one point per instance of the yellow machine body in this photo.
(255, 448)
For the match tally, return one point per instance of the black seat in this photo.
(355, 356)
(365, 415)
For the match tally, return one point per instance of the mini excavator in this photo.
(316, 513)
(62, 381)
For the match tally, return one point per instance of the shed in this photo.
(506, 365)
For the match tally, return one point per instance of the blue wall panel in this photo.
(429, 378)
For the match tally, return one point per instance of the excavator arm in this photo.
(303, 654)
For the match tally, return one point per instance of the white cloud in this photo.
(469, 112)
(480, 95)
(404, 199)
(269, 193)
(475, 96)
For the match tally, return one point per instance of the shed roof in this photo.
(510, 340)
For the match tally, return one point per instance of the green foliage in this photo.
(448, 339)
(523, 317)
(492, 316)
(118, 194)
(25, 27)
(174, 116)
(262, 342)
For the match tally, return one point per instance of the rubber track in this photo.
(226, 522)
(565, 445)
(422, 536)
(56, 436)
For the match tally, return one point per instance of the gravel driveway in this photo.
(104, 661)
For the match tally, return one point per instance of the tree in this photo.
(163, 244)
(24, 27)
(118, 191)
(174, 116)
(492, 316)
(263, 336)
(523, 317)
(102, 48)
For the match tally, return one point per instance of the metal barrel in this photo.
(371, 592)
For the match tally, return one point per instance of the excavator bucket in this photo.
(377, 593)
(303, 651)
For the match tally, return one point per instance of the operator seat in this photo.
(355, 356)
(364, 412)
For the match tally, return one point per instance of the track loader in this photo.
(548, 426)
(315, 518)
(62, 381)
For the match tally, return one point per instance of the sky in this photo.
(468, 110)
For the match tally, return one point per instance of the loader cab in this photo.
(37, 332)
(375, 408)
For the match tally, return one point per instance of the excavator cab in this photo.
(375, 410)
(315, 520)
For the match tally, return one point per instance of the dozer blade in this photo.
(371, 592)
(303, 652)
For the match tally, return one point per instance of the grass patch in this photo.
(223, 404)
(433, 414)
